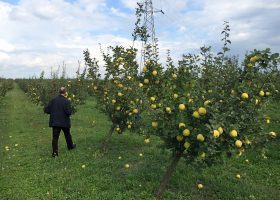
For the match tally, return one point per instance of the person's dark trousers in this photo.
(68, 138)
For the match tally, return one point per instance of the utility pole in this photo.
(149, 27)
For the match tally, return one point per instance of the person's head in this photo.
(62, 91)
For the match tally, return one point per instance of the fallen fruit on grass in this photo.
(199, 186)
(272, 134)
(147, 140)
(126, 166)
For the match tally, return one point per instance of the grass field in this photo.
(29, 172)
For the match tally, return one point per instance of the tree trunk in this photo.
(107, 139)
(167, 175)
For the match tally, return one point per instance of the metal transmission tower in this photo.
(148, 29)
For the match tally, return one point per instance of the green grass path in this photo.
(28, 171)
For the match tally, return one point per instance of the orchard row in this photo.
(5, 86)
(204, 108)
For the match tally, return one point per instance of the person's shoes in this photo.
(73, 147)
(54, 155)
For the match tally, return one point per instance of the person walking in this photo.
(59, 109)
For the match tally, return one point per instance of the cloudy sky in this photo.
(38, 35)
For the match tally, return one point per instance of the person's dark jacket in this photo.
(59, 109)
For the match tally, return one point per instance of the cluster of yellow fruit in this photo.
(193, 135)
(118, 129)
(69, 83)
(233, 133)
(185, 133)
(34, 94)
(253, 61)
(129, 124)
(120, 99)
(262, 93)
(71, 94)
(151, 76)
(72, 97)
(218, 132)
(200, 112)
(245, 96)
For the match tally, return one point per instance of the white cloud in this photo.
(252, 23)
(118, 13)
(4, 56)
(39, 34)
(131, 4)
(6, 46)
(46, 33)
